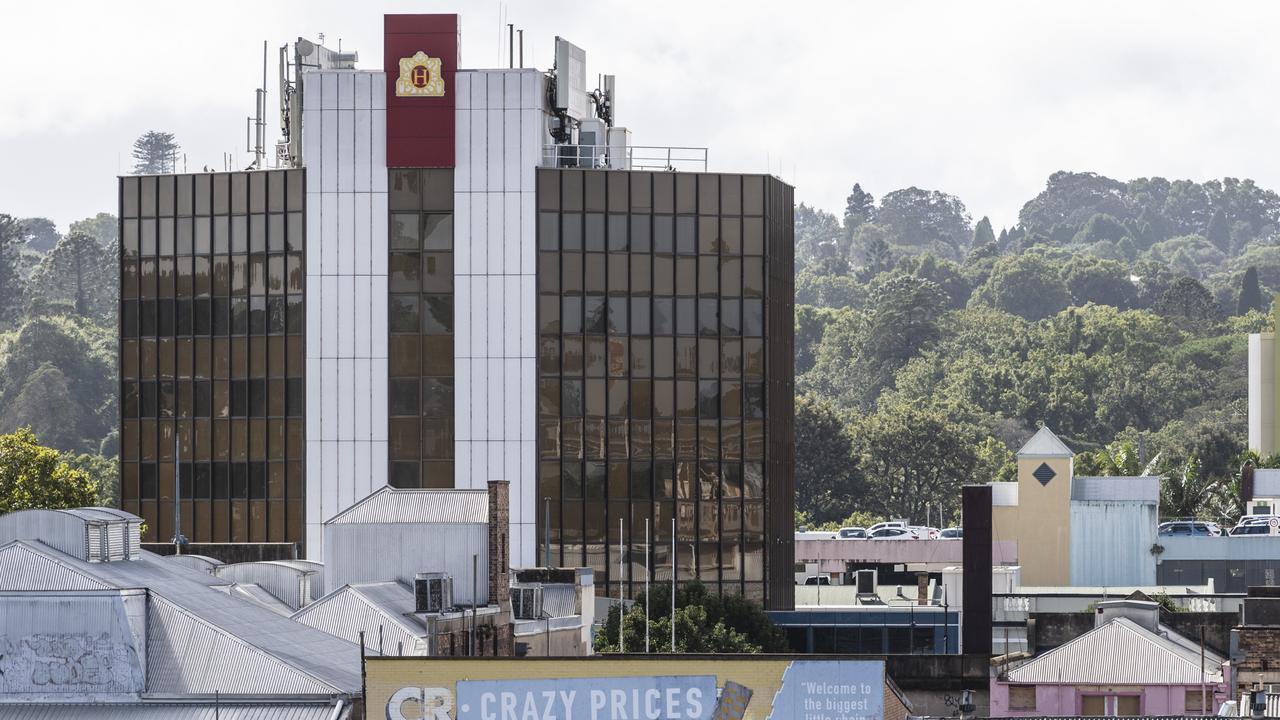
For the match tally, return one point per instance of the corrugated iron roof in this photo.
(186, 654)
(1131, 488)
(1120, 653)
(173, 711)
(24, 566)
(255, 594)
(346, 611)
(391, 505)
(283, 648)
(198, 562)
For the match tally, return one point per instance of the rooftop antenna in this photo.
(257, 122)
(511, 45)
(521, 33)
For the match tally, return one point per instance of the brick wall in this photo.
(499, 546)
(1260, 647)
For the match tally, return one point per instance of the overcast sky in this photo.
(980, 99)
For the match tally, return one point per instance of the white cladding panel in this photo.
(500, 132)
(344, 136)
(377, 552)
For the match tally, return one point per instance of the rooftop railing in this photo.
(669, 158)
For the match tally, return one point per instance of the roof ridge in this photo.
(368, 603)
(36, 548)
(236, 639)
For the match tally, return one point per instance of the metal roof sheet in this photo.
(186, 654)
(283, 647)
(1120, 653)
(24, 566)
(346, 611)
(198, 562)
(146, 710)
(391, 505)
(1045, 444)
(255, 594)
(1131, 488)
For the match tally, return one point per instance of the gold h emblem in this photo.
(420, 76)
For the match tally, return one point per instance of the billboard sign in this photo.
(637, 688)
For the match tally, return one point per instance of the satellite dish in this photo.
(304, 47)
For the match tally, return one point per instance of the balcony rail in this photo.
(669, 158)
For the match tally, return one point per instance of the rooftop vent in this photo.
(432, 592)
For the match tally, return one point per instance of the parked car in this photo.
(894, 533)
(887, 524)
(853, 533)
(1254, 528)
(817, 580)
(1175, 528)
(925, 533)
(952, 533)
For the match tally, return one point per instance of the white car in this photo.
(894, 533)
(886, 524)
(925, 533)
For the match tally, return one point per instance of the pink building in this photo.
(1128, 665)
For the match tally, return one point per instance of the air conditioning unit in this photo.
(432, 592)
(865, 581)
(526, 602)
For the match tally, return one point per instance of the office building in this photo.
(457, 276)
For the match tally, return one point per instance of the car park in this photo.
(852, 533)
(924, 533)
(1256, 525)
(1184, 528)
(951, 533)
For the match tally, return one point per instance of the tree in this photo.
(949, 276)
(902, 319)
(926, 220)
(1071, 199)
(912, 457)
(1025, 285)
(828, 484)
(1105, 282)
(1100, 227)
(79, 269)
(1219, 231)
(39, 234)
(1250, 293)
(1188, 301)
(982, 233)
(817, 236)
(1186, 493)
(103, 472)
(12, 282)
(154, 153)
(1188, 254)
(104, 227)
(704, 623)
(33, 476)
(859, 208)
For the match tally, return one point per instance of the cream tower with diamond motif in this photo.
(1040, 518)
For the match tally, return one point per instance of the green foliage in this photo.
(911, 457)
(13, 283)
(1026, 285)
(926, 220)
(39, 234)
(33, 476)
(103, 227)
(103, 473)
(154, 153)
(1250, 293)
(81, 271)
(828, 483)
(859, 207)
(982, 233)
(704, 623)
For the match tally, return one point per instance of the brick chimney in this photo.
(499, 544)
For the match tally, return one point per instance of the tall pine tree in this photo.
(982, 233)
(1250, 293)
(154, 153)
(1219, 232)
(859, 207)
